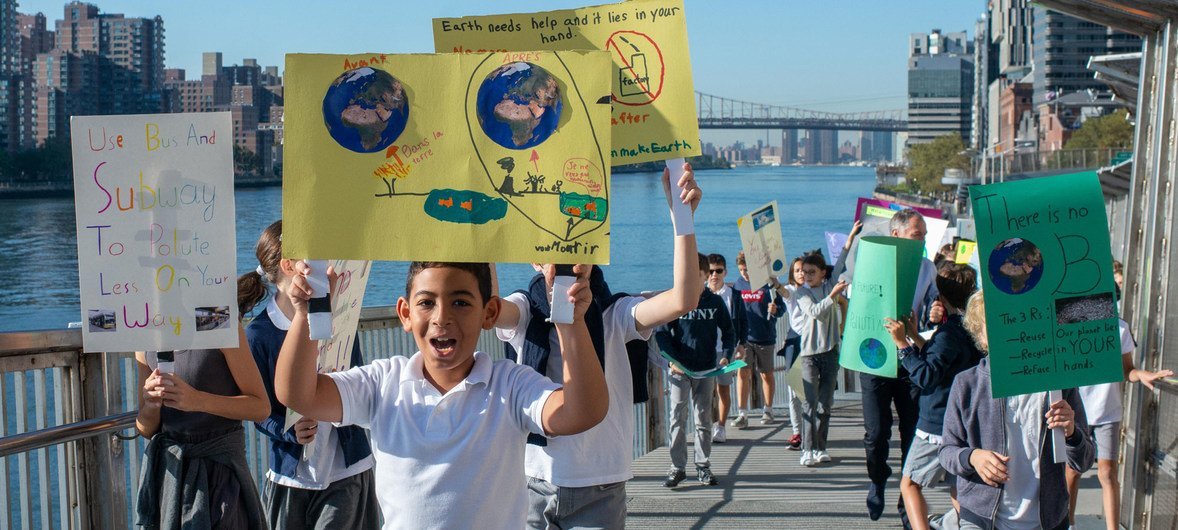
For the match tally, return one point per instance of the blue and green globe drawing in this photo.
(873, 353)
(1016, 266)
(365, 109)
(519, 105)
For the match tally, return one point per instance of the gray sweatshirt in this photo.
(974, 420)
(819, 316)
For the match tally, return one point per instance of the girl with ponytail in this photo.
(331, 486)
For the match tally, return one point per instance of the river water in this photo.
(38, 247)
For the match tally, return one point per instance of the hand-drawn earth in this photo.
(872, 353)
(519, 105)
(366, 109)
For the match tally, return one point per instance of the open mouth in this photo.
(443, 346)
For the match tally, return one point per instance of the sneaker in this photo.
(795, 442)
(741, 421)
(719, 434)
(821, 456)
(875, 501)
(704, 474)
(767, 417)
(808, 459)
(674, 477)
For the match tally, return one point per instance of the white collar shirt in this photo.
(453, 460)
(603, 454)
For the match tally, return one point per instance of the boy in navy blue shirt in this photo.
(762, 307)
(691, 342)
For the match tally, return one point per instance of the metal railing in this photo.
(999, 167)
(66, 464)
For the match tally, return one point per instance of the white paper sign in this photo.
(764, 250)
(157, 251)
(347, 297)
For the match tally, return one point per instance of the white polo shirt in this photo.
(438, 456)
(603, 454)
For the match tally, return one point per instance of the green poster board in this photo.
(883, 289)
(1046, 267)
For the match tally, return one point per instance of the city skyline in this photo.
(803, 55)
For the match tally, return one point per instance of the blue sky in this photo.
(840, 56)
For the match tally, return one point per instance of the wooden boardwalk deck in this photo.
(762, 484)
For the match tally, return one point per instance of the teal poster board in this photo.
(1046, 268)
(883, 289)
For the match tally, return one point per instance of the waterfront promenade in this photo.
(762, 485)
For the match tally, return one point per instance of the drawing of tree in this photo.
(390, 182)
(534, 181)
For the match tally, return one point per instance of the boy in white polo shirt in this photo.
(448, 424)
(580, 481)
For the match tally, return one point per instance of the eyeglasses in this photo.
(715, 271)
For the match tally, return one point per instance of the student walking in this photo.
(334, 487)
(1102, 406)
(818, 302)
(717, 269)
(1000, 449)
(580, 481)
(690, 340)
(932, 365)
(763, 306)
(448, 424)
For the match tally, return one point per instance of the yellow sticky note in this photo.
(965, 250)
(654, 116)
(448, 157)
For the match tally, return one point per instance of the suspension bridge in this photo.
(716, 112)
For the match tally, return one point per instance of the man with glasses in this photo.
(717, 271)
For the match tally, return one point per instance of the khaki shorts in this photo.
(759, 357)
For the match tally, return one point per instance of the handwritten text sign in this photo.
(764, 250)
(653, 95)
(448, 157)
(347, 297)
(156, 241)
(885, 289)
(1046, 264)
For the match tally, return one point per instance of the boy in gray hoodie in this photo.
(1000, 449)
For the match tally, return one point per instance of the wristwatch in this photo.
(906, 351)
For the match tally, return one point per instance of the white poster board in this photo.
(764, 250)
(347, 297)
(157, 251)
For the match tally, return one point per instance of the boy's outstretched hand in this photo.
(691, 193)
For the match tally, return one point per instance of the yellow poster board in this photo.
(654, 115)
(448, 157)
(965, 251)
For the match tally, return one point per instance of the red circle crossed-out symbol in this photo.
(619, 50)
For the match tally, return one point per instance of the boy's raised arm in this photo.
(684, 294)
(297, 381)
(583, 401)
